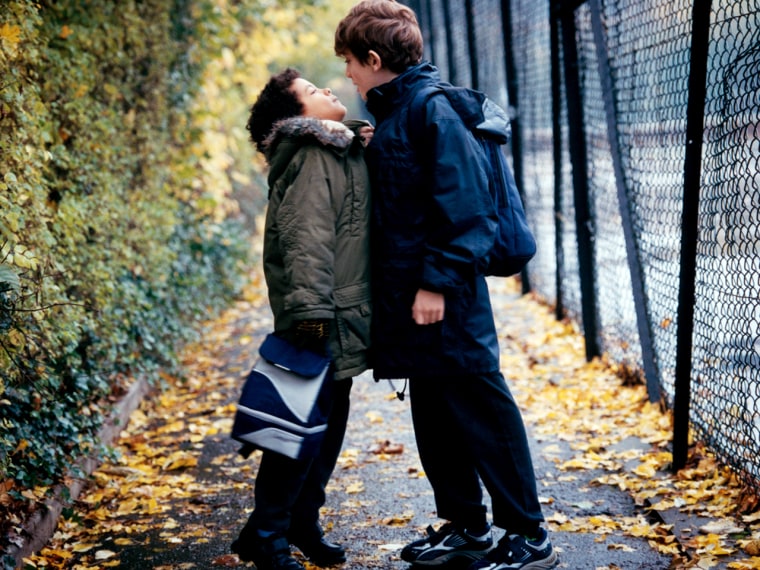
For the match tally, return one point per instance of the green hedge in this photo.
(128, 194)
(112, 247)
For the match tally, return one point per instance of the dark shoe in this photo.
(446, 544)
(515, 551)
(319, 551)
(271, 553)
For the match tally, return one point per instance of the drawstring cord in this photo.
(399, 394)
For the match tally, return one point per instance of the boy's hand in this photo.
(428, 307)
(365, 134)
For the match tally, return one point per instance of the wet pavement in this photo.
(378, 500)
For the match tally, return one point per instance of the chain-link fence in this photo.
(637, 148)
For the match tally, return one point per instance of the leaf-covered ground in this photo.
(178, 493)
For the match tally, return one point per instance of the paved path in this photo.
(185, 517)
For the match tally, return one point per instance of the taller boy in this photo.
(433, 224)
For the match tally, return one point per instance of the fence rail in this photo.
(637, 149)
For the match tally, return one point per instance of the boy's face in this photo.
(366, 75)
(319, 103)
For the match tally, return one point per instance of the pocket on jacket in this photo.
(353, 313)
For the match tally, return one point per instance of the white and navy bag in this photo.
(285, 401)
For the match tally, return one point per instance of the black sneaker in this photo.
(446, 544)
(515, 551)
(272, 553)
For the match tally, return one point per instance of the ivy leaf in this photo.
(9, 280)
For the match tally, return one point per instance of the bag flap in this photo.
(281, 353)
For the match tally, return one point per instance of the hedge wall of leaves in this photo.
(119, 231)
(128, 196)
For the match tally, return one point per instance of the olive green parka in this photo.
(316, 236)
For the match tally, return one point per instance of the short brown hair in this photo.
(384, 26)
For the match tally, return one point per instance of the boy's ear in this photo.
(374, 60)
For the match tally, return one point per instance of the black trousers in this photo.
(290, 492)
(468, 428)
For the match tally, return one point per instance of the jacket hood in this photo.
(309, 129)
(479, 113)
(492, 121)
(290, 134)
(476, 110)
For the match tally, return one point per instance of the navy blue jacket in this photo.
(433, 224)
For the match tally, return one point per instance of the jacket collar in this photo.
(383, 99)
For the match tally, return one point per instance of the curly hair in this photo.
(384, 26)
(275, 102)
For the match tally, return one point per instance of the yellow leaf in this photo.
(707, 562)
(575, 464)
(622, 547)
(128, 506)
(399, 520)
(374, 417)
(645, 470)
(390, 547)
(174, 426)
(83, 547)
(178, 460)
(712, 544)
(57, 552)
(9, 35)
(754, 517)
(672, 549)
(152, 507)
(721, 526)
(558, 518)
(641, 530)
(65, 32)
(104, 554)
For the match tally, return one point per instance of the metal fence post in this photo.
(450, 60)
(579, 159)
(634, 263)
(556, 85)
(472, 45)
(513, 97)
(695, 110)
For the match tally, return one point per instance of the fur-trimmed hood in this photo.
(291, 134)
(326, 133)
